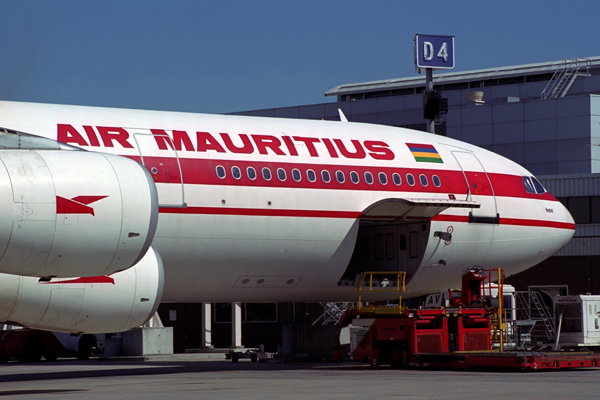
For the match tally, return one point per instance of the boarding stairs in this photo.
(535, 321)
(564, 76)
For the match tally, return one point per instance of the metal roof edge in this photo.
(508, 71)
(569, 176)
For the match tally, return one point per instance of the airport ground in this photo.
(189, 378)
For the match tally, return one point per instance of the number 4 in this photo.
(443, 53)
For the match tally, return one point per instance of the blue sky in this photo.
(225, 56)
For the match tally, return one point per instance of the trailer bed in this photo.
(507, 360)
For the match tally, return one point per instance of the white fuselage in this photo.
(226, 235)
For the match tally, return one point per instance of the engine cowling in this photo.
(104, 304)
(73, 213)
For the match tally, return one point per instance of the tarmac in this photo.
(210, 376)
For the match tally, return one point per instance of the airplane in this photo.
(108, 212)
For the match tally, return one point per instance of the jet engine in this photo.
(73, 213)
(104, 304)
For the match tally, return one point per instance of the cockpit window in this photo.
(538, 186)
(528, 185)
(532, 185)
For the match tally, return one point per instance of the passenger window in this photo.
(396, 178)
(354, 177)
(251, 173)
(296, 175)
(281, 174)
(310, 175)
(369, 178)
(383, 178)
(220, 171)
(325, 175)
(436, 181)
(538, 186)
(235, 171)
(528, 185)
(410, 179)
(423, 180)
(266, 173)
(340, 177)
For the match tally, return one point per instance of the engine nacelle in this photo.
(104, 304)
(73, 213)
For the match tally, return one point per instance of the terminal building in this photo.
(544, 116)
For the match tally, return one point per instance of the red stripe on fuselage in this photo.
(344, 214)
(510, 221)
(262, 212)
(203, 172)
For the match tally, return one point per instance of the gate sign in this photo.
(435, 52)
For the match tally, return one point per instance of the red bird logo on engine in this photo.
(91, 279)
(76, 205)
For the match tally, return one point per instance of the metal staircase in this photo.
(533, 313)
(564, 76)
(545, 314)
(332, 313)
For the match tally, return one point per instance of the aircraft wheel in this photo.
(254, 357)
(235, 358)
(85, 347)
(33, 350)
(51, 357)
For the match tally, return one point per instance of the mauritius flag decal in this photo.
(424, 153)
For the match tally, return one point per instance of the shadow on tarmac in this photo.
(42, 391)
(95, 369)
(71, 369)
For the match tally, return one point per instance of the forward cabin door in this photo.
(159, 155)
(480, 188)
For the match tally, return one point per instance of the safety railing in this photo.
(564, 76)
(391, 282)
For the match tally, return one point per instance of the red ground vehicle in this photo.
(30, 345)
(459, 335)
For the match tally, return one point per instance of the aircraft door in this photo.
(402, 243)
(165, 167)
(388, 247)
(480, 188)
(396, 248)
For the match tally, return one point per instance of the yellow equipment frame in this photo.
(400, 288)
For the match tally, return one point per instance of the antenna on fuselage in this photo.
(342, 116)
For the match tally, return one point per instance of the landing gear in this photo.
(33, 350)
(85, 347)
